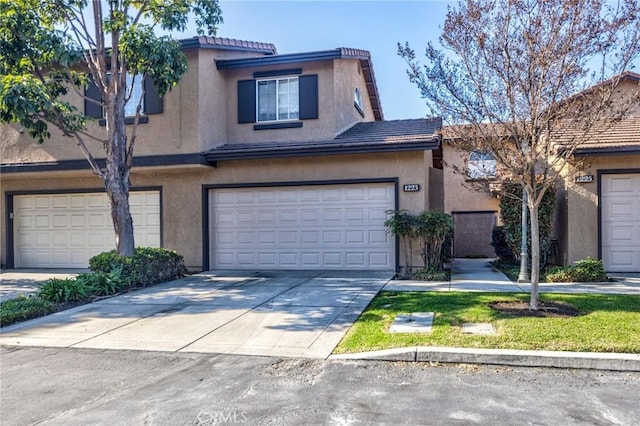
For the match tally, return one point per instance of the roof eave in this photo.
(302, 151)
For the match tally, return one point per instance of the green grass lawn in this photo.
(610, 323)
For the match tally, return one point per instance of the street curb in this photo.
(511, 357)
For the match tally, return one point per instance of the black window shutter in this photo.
(92, 109)
(152, 101)
(308, 87)
(246, 101)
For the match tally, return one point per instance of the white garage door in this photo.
(65, 230)
(621, 222)
(306, 227)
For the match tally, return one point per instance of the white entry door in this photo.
(302, 227)
(621, 222)
(66, 230)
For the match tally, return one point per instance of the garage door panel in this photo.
(620, 207)
(334, 226)
(65, 230)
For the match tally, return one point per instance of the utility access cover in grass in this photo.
(416, 322)
(478, 328)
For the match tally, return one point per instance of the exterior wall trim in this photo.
(473, 211)
(207, 187)
(9, 195)
(143, 161)
(599, 173)
(302, 151)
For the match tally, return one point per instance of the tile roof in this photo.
(392, 131)
(366, 137)
(228, 43)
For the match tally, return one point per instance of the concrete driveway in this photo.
(288, 314)
(16, 282)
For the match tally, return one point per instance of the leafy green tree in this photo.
(511, 79)
(54, 48)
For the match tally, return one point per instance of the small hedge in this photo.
(586, 270)
(24, 308)
(111, 274)
(147, 266)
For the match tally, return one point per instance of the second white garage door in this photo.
(302, 227)
(621, 222)
(65, 230)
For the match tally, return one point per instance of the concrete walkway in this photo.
(285, 313)
(479, 275)
(466, 275)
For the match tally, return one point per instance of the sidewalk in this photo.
(479, 275)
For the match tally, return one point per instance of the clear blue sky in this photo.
(376, 26)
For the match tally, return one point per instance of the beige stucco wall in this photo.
(182, 188)
(458, 195)
(174, 131)
(582, 208)
(347, 76)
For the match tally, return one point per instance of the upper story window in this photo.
(152, 103)
(481, 165)
(357, 101)
(135, 85)
(274, 100)
(357, 98)
(278, 99)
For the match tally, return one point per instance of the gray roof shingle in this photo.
(367, 137)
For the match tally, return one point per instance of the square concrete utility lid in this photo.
(478, 328)
(416, 322)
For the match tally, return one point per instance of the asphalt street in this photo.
(70, 386)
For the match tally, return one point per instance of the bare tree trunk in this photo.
(116, 180)
(535, 254)
(118, 193)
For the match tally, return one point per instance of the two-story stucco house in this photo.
(597, 212)
(256, 160)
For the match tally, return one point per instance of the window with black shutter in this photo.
(151, 104)
(278, 102)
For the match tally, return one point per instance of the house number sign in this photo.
(584, 179)
(411, 187)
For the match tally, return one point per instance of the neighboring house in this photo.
(597, 214)
(474, 210)
(254, 161)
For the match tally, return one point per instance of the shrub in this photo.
(58, 290)
(586, 270)
(511, 214)
(23, 308)
(103, 284)
(431, 274)
(500, 246)
(432, 228)
(401, 223)
(147, 266)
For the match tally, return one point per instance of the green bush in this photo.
(431, 274)
(432, 229)
(58, 290)
(146, 267)
(511, 214)
(586, 270)
(24, 308)
(500, 246)
(103, 284)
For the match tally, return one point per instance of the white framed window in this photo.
(357, 98)
(481, 165)
(278, 99)
(136, 95)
